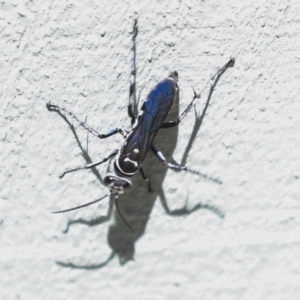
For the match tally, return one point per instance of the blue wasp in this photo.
(126, 161)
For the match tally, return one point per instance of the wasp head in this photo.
(116, 184)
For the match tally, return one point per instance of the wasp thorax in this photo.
(117, 184)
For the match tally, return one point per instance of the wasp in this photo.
(126, 161)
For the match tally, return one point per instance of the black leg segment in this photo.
(91, 165)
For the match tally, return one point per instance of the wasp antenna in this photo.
(81, 206)
(118, 209)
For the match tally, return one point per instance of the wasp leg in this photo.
(145, 177)
(91, 165)
(196, 96)
(62, 110)
(132, 109)
(171, 124)
(161, 157)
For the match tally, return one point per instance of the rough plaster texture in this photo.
(77, 54)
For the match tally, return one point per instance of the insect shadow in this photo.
(136, 205)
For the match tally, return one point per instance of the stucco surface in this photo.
(77, 54)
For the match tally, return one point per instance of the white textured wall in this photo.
(77, 54)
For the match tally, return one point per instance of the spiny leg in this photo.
(196, 96)
(199, 117)
(60, 110)
(185, 112)
(92, 165)
(132, 110)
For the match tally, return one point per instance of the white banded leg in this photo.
(62, 110)
(92, 165)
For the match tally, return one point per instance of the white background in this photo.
(77, 54)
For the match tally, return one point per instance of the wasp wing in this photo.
(155, 110)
